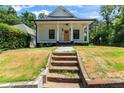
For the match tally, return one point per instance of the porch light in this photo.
(66, 24)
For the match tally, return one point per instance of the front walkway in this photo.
(65, 49)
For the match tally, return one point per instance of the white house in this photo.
(61, 26)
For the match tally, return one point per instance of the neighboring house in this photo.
(28, 30)
(61, 26)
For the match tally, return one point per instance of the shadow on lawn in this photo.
(1, 50)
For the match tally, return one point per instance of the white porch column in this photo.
(57, 31)
(83, 32)
(88, 34)
(71, 32)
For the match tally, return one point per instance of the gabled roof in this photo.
(61, 12)
(25, 28)
(68, 17)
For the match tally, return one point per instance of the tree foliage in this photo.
(118, 25)
(42, 15)
(12, 11)
(107, 12)
(109, 30)
(9, 16)
(26, 18)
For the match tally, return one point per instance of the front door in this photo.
(66, 35)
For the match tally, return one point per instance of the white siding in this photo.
(43, 32)
(80, 28)
(60, 12)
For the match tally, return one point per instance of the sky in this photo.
(81, 11)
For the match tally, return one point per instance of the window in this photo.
(76, 34)
(51, 34)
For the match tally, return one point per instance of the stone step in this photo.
(64, 57)
(67, 77)
(64, 53)
(64, 63)
(62, 85)
(63, 68)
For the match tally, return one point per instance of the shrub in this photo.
(11, 37)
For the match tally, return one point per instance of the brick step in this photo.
(63, 68)
(64, 53)
(64, 63)
(62, 85)
(64, 57)
(64, 77)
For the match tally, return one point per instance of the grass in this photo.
(69, 73)
(102, 61)
(1, 50)
(118, 66)
(22, 64)
(115, 53)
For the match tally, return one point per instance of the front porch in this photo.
(63, 32)
(72, 32)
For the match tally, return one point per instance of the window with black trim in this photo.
(51, 34)
(75, 34)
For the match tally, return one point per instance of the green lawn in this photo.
(102, 62)
(22, 64)
(1, 50)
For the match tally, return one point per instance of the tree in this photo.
(118, 35)
(42, 15)
(12, 20)
(8, 17)
(3, 10)
(108, 14)
(110, 30)
(97, 34)
(26, 18)
(12, 11)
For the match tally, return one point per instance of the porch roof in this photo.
(64, 19)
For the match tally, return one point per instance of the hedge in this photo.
(11, 37)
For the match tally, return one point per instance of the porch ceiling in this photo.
(64, 19)
(62, 22)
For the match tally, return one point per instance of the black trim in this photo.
(76, 33)
(51, 33)
(61, 17)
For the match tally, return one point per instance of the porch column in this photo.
(57, 32)
(71, 32)
(88, 34)
(83, 32)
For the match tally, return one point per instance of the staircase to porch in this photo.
(63, 71)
